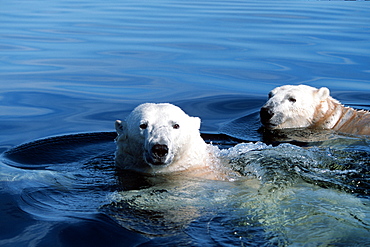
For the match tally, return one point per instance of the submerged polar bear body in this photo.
(308, 107)
(161, 138)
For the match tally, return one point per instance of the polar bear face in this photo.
(156, 135)
(292, 106)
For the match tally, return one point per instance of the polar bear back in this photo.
(354, 122)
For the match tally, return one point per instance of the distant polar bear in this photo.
(161, 138)
(304, 106)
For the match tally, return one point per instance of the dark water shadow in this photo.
(45, 153)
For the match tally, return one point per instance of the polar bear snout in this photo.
(158, 154)
(266, 114)
(159, 151)
(269, 118)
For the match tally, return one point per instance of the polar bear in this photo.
(308, 107)
(161, 138)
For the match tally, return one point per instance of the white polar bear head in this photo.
(156, 136)
(293, 106)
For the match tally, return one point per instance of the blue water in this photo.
(69, 67)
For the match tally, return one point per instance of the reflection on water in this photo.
(76, 66)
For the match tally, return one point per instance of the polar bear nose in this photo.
(159, 150)
(266, 114)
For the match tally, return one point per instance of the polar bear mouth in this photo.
(158, 155)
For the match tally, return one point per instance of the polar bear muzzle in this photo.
(266, 114)
(158, 155)
(271, 119)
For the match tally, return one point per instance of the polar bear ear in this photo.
(121, 127)
(323, 93)
(196, 122)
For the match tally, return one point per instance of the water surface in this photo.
(71, 67)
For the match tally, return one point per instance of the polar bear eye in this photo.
(143, 126)
(176, 126)
(291, 99)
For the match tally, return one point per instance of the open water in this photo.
(69, 69)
